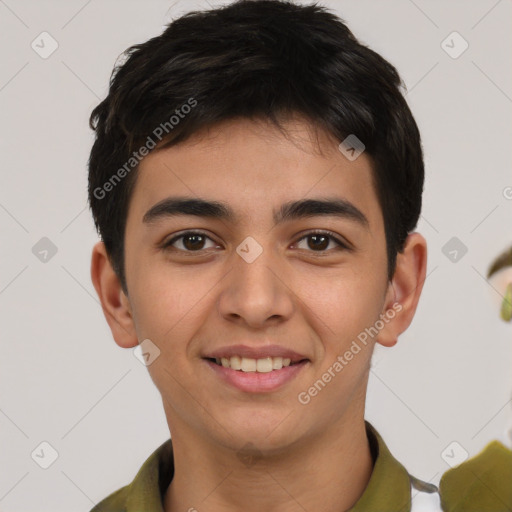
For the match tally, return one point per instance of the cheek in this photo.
(345, 305)
(168, 316)
(158, 303)
(347, 315)
(169, 307)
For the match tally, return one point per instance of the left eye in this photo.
(319, 241)
(193, 241)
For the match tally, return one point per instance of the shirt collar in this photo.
(388, 490)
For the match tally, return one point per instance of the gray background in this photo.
(63, 380)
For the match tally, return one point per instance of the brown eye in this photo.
(191, 241)
(320, 241)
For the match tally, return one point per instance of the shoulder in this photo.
(145, 492)
(481, 484)
(115, 502)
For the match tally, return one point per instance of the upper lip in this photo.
(255, 352)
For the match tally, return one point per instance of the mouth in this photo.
(261, 365)
(256, 370)
(252, 369)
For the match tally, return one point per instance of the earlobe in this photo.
(115, 304)
(388, 335)
(405, 289)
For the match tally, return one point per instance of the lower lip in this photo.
(256, 382)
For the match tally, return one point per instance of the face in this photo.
(257, 279)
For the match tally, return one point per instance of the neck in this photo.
(325, 474)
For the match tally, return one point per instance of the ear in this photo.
(403, 293)
(114, 302)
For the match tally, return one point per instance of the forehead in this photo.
(253, 166)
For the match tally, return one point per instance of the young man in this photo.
(256, 178)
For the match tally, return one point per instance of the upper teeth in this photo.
(246, 364)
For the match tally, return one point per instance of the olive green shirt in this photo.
(481, 484)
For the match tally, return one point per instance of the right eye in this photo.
(190, 241)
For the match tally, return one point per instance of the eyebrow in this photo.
(176, 206)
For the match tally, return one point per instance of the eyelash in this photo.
(329, 234)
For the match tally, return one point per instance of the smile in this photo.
(262, 375)
(247, 364)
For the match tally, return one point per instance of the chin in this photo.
(266, 430)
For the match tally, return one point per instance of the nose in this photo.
(256, 291)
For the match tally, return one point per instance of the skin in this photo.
(314, 301)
